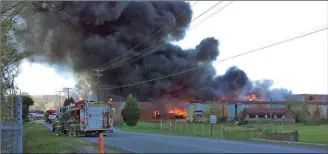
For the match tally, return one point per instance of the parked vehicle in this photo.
(50, 116)
(35, 116)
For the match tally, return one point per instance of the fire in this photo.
(251, 97)
(179, 112)
(156, 114)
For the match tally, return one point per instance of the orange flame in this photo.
(251, 97)
(179, 112)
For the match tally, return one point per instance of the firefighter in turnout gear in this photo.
(72, 127)
(57, 123)
(77, 126)
(112, 118)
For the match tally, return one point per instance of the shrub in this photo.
(130, 112)
(27, 101)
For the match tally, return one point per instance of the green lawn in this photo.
(188, 129)
(38, 139)
(313, 134)
(308, 133)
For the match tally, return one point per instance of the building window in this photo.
(198, 114)
(156, 114)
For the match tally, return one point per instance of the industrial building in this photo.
(316, 104)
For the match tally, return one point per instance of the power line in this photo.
(147, 38)
(274, 44)
(209, 9)
(148, 51)
(212, 15)
(242, 54)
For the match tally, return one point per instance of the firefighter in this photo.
(72, 127)
(112, 118)
(46, 116)
(57, 123)
(76, 121)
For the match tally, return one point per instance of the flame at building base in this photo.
(179, 113)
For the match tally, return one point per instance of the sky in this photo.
(299, 65)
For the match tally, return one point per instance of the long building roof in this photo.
(264, 102)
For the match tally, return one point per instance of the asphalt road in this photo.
(154, 143)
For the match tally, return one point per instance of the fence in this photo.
(275, 130)
(11, 125)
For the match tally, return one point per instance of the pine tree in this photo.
(131, 111)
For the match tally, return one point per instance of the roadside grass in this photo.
(307, 133)
(185, 129)
(313, 134)
(38, 139)
(310, 134)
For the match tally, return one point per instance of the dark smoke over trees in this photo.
(83, 35)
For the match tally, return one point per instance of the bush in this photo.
(130, 112)
(27, 101)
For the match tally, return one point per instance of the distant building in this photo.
(309, 99)
(264, 112)
(199, 109)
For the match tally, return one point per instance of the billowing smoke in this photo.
(264, 91)
(83, 35)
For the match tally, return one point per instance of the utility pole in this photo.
(270, 110)
(13, 86)
(60, 97)
(67, 91)
(98, 74)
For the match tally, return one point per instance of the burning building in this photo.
(149, 112)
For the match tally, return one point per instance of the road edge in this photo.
(95, 144)
(313, 145)
(122, 150)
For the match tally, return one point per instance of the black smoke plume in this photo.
(83, 35)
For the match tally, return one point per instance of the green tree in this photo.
(27, 101)
(131, 111)
(69, 101)
(9, 55)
